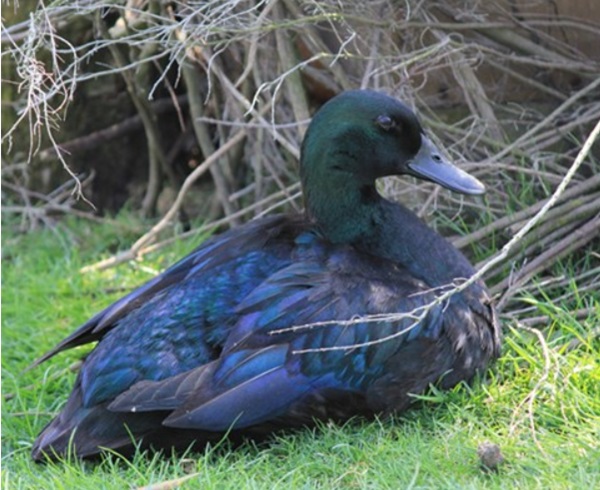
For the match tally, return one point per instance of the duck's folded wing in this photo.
(213, 254)
(257, 387)
(284, 349)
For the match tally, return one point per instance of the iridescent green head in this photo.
(358, 137)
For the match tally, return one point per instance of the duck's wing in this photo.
(285, 350)
(215, 253)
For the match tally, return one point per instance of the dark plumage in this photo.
(207, 347)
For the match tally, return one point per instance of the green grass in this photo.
(540, 405)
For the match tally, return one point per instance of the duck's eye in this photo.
(385, 122)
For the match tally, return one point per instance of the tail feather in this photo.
(87, 431)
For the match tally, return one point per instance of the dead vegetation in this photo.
(510, 90)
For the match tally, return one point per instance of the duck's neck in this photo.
(357, 215)
(344, 212)
(406, 240)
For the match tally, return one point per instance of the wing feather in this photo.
(260, 374)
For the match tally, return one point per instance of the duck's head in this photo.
(354, 139)
(363, 135)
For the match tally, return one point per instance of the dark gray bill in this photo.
(429, 164)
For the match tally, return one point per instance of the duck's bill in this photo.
(429, 164)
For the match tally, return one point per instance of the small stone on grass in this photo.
(490, 456)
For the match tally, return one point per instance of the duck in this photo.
(290, 319)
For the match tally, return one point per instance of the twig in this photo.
(251, 53)
(295, 88)
(503, 223)
(45, 210)
(578, 239)
(156, 156)
(193, 83)
(560, 282)
(532, 321)
(249, 107)
(544, 122)
(578, 207)
(551, 228)
(512, 39)
(527, 80)
(475, 95)
(315, 42)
